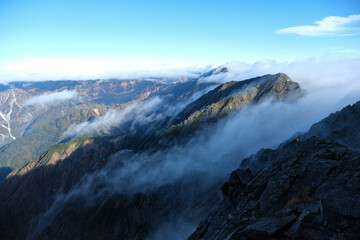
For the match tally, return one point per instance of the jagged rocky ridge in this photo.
(309, 188)
(64, 165)
(226, 99)
(234, 95)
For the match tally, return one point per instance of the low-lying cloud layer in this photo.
(221, 148)
(311, 74)
(80, 69)
(52, 98)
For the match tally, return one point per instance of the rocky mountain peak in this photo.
(215, 71)
(235, 94)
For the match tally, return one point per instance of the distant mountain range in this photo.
(94, 166)
(28, 131)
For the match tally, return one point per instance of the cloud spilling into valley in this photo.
(51, 98)
(212, 154)
(221, 148)
(136, 114)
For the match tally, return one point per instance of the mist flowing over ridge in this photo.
(174, 120)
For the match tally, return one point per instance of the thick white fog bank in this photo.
(221, 148)
(266, 125)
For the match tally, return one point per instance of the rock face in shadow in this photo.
(306, 189)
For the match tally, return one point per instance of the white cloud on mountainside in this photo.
(328, 26)
(51, 98)
(220, 148)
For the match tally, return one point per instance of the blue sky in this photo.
(184, 31)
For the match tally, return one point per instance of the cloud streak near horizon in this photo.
(84, 69)
(328, 26)
(52, 98)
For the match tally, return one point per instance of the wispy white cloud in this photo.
(51, 98)
(329, 26)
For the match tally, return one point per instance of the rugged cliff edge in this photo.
(306, 189)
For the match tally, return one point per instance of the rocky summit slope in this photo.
(232, 96)
(306, 189)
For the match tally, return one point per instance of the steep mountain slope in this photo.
(232, 96)
(13, 117)
(306, 189)
(228, 98)
(37, 188)
(32, 189)
(45, 131)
